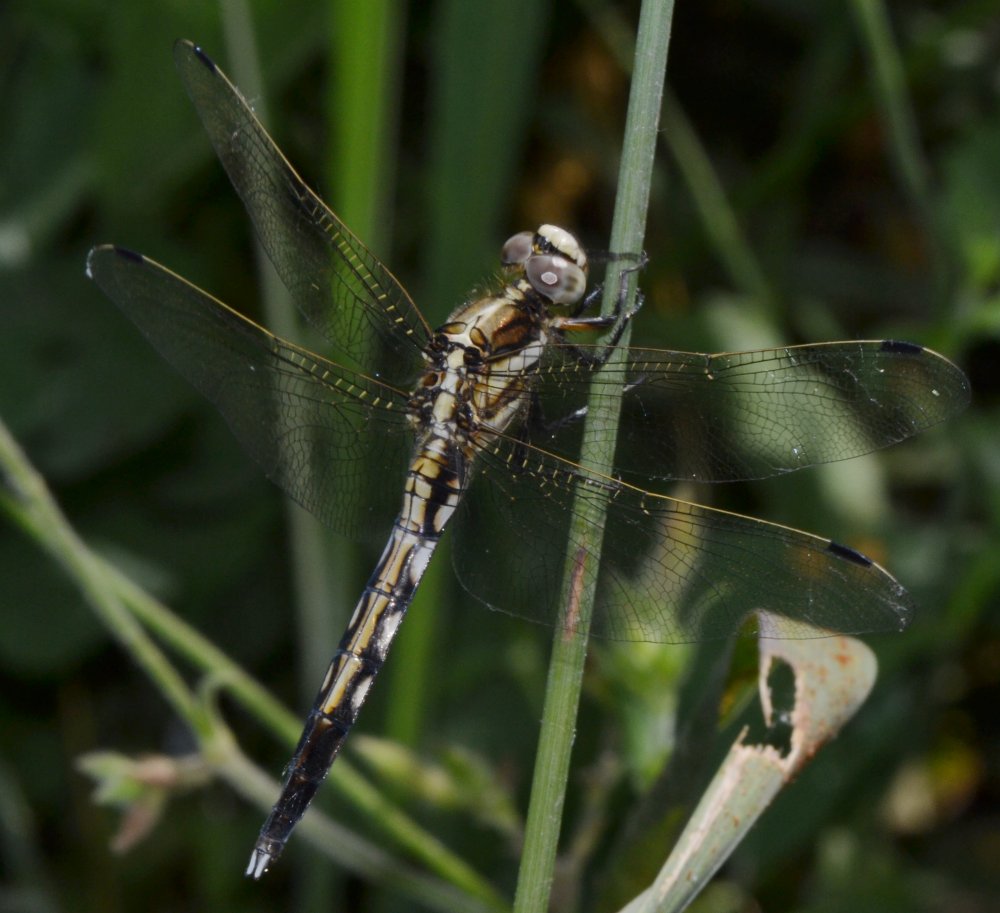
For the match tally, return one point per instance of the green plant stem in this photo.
(362, 795)
(569, 650)
(718, 217)
(26, 499)
(717, 214)
(361, 856)
(362, 109)
(889, 81)
(890, 85)
(124, 608)
(365, 47)
(317, 599)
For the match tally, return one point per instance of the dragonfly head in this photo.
(553, 262)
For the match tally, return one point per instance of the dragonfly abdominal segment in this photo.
(479, 423)
(430, 496)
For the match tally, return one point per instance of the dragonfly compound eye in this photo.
(555, 277)
(517, 248)
(551, 239)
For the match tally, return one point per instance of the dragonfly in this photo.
(480, 419)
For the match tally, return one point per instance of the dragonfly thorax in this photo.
(481, 361)
(480, 365)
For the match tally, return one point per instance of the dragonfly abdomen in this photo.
(431, 493)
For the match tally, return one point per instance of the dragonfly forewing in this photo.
(340, 286)
(316, 429)
(731, 416)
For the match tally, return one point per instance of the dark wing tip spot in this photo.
(184, 47)
(902, 348)
(204, 58)
(848, 554)
(127, 254)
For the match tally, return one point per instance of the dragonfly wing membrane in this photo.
(340, 286)
(314, 428)
(750, 415)
(669, 570)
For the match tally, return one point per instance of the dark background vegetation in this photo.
(508, 115)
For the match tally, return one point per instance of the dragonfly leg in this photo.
(537, 428)
(590, 300)
(619, 319)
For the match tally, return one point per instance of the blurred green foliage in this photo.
(502, 117)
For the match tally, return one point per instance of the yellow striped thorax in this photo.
(481, 359)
